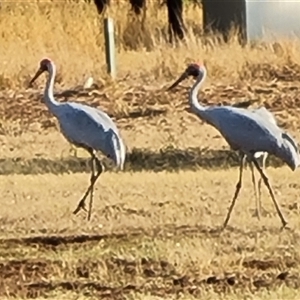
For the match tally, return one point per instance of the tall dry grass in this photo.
(72, 35)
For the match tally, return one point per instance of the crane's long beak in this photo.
(37, 74)
(181, 78)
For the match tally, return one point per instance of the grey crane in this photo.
(246, 131)
(85, 127)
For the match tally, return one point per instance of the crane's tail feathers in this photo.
(291, 152)
(122, 154)
(119, 151)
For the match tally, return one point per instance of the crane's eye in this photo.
(194, 72)
(43, 67)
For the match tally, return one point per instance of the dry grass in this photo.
(283, 294)
(71, 34)
(153, 232)
(150, 199)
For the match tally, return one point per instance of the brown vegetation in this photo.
(153, 235)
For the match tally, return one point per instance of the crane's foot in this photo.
(257, 214)
(260, 213)
(284, 225)
(81, 205)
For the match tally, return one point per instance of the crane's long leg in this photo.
(99, 172)
(81, 204)
(93, 179)
(92, 185)
(257, 198)
(266, 182)
(237, 190)
(265, 155)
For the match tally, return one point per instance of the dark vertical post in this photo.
(101, 5)
(137, 5)
(176, 25)
(221, 15)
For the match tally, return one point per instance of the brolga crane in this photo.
(85, 127)
(246, 131)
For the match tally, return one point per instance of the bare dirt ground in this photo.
(153, 235)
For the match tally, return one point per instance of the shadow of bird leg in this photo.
(266, 182)
(93, 179)
(257, 198)
(237, 190)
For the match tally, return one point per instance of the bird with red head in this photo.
(195, 70)
(45, 64)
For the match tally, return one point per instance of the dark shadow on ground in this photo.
(170, 159)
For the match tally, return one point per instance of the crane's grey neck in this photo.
(193, 97)
(51, 103)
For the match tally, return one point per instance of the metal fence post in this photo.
(110, 51)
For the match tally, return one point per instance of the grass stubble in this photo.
(152, 233)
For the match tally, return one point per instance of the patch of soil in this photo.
(32, 278)
(37, 278)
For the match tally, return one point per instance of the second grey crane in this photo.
(245, 131)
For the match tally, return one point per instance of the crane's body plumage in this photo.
(264, 113)
(267, 115)
(251, 132)
(248, 131)
(85, 127)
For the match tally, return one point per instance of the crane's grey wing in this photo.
(289, 149)
(115, 138)
(250, 132)
(263, 112)
(244, 129)
(88, 127)
(104, 118)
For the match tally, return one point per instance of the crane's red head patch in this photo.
(194, 69)
(197, 65)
